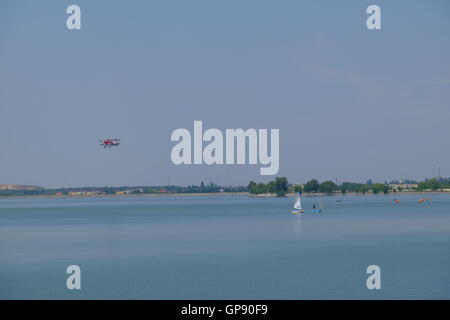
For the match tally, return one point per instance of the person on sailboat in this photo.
(316, 209)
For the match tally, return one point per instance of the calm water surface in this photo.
(225, 247)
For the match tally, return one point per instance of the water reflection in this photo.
(298, 223)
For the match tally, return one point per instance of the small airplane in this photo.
(109, 143)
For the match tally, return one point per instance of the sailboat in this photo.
(318, 208)
(297, 205)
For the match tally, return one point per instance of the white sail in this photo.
(298, 203)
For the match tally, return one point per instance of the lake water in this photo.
(225, 247)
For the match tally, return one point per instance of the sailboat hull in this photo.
(297, 211)
(317, 210)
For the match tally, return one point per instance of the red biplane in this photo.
(109, 143)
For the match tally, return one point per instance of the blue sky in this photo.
(350, 103)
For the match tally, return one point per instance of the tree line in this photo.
(280, 186)
(434, 184)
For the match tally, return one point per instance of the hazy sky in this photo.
(350, 103)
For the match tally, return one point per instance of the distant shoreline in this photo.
(229, 194)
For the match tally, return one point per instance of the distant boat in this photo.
(297, 205)
(317, 208)
(423, 200)
(396, 201)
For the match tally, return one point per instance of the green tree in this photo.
(252, 187)
(298, 189)
(327, 187)
(311, 186)
(422, 185)
(272, 187)
(261, 188)
(378, 187)
(281, 185)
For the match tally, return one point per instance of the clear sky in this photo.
(350, 103)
